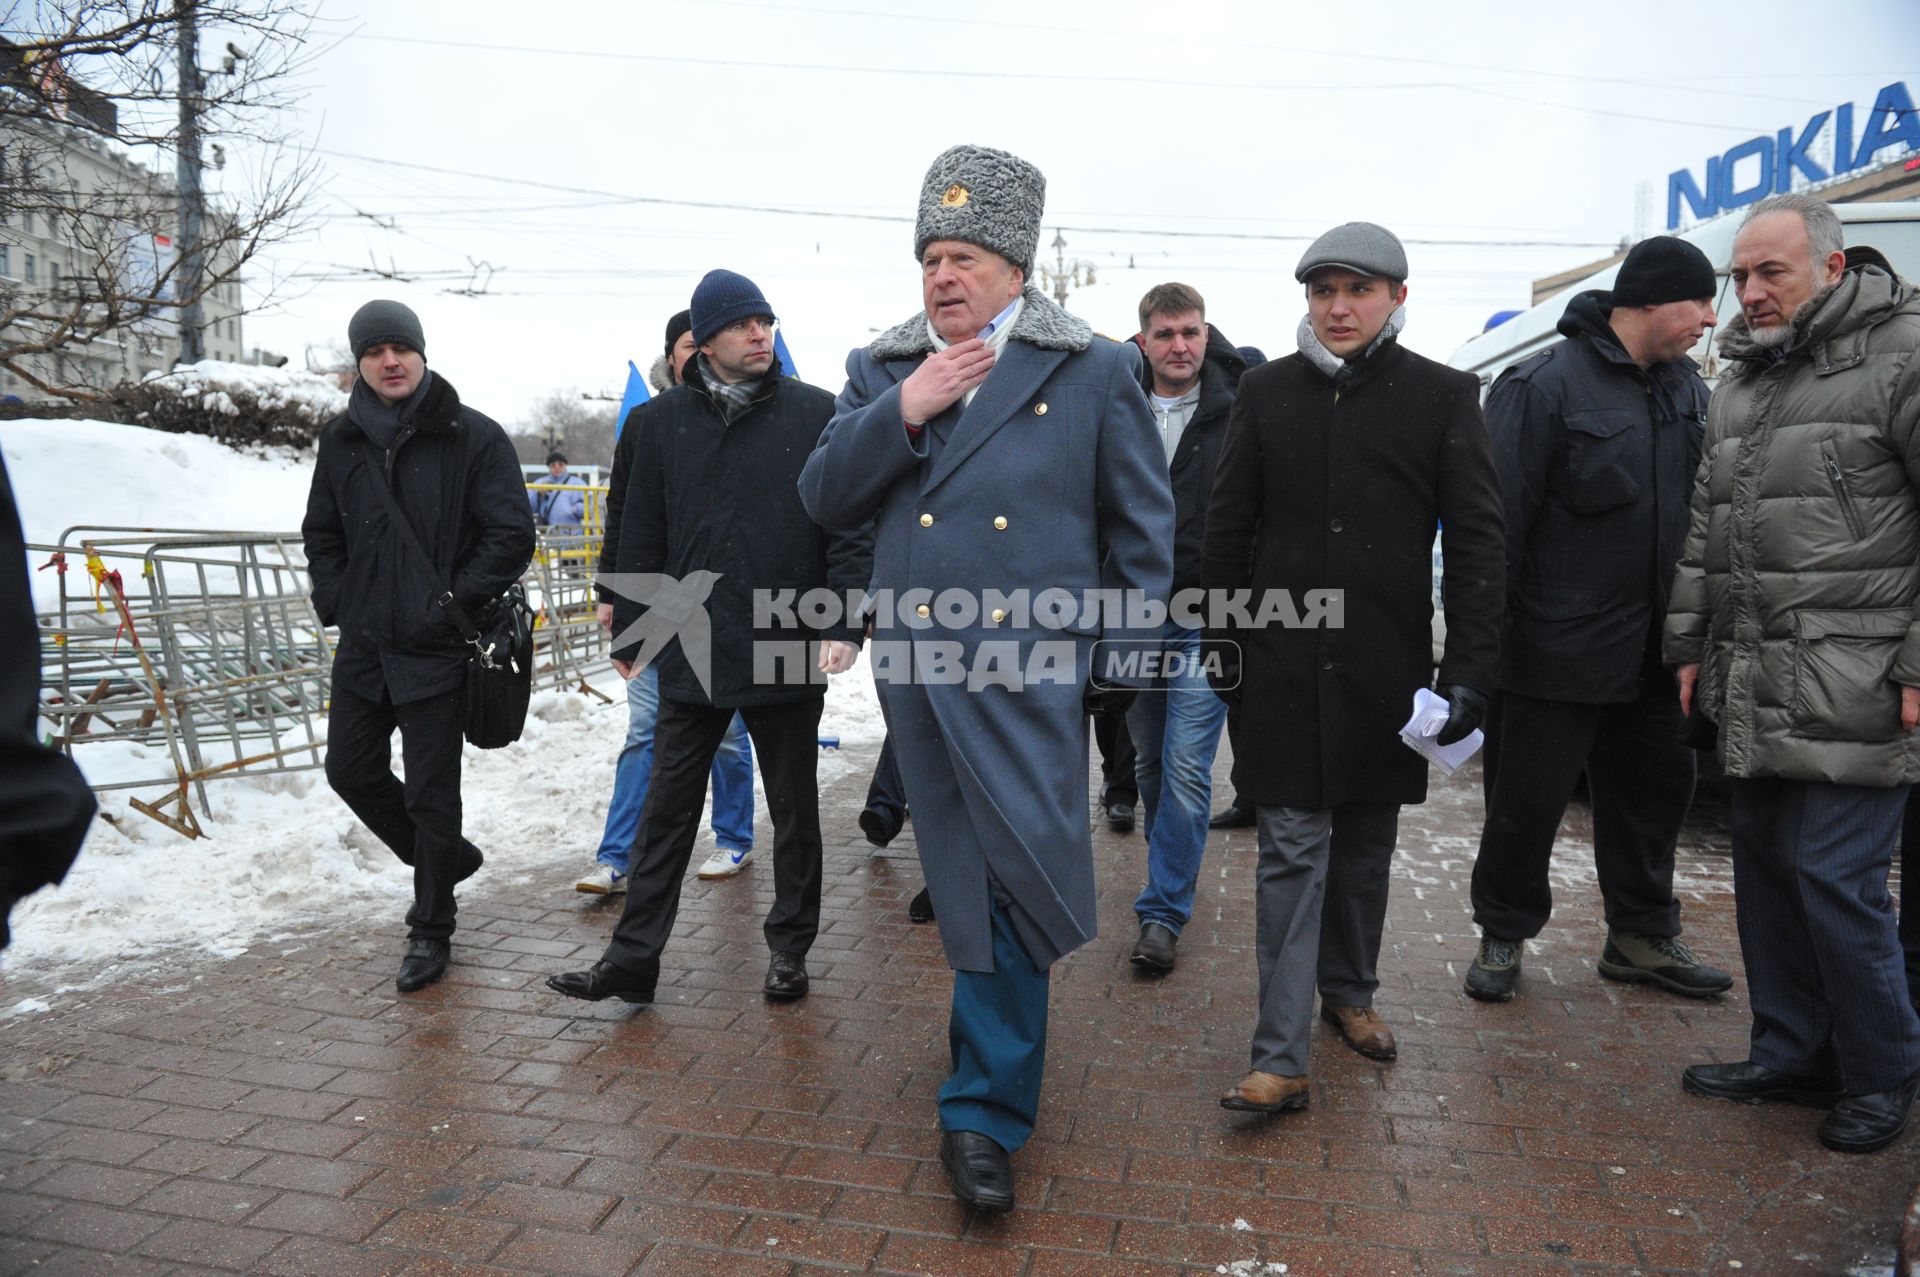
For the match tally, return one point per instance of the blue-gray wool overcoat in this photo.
(1053, 479)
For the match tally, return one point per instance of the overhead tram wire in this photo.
(898, 219)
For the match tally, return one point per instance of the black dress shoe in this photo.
(786, 977)
(1866, 1123)
(1153, 951)
(1234, 817)
(920, 908)
(982, 1177)
(878, 829)
(1120, 817)
(604, 980)
(426, 961)
(1751, 1083)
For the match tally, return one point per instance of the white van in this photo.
(1892, 227)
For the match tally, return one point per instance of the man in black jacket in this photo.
(401, 660)
(1190, 376)
(712, 504)
(1597, 440)
(1339, 462)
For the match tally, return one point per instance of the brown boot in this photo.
(1363, 1030)
(1259, 1092)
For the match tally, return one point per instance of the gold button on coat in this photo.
(926, 520)
(923, 610)
(999, 615)
(1000, 522)
(1039, 410)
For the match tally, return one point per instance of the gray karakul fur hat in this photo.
(986, 197)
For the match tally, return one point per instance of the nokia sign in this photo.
(1764, 166)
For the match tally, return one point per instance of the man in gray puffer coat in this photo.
(1793, 619)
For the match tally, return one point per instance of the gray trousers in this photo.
(1320, 908)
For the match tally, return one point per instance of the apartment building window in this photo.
(6, 259)
(33, 273)
(53, 276)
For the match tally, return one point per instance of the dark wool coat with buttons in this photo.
(1328, 485)
(1798, 584)
(1596, 463)
(1060, 445)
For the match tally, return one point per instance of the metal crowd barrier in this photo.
(173, 657)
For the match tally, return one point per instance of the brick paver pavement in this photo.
(285, 1112)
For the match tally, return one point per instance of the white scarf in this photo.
(996, 341)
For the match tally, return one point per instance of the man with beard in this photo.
(1008, 454)
(1792, 625)
(401, 661)
(1338, 463)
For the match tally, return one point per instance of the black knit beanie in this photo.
(1663, 269)
(680, 323)
(380, 322)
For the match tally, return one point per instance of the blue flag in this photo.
(637, 394)
(780, 349)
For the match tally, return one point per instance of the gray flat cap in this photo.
(1361, 247)
(978, 195)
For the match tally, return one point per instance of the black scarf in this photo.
(381, 420)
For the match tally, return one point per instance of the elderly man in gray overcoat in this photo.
(1007, 453)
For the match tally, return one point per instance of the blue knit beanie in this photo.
(724, 297)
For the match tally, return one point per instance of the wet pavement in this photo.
(286, 1112)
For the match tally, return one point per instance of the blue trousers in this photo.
(998, 1036)
(1825, 973)
(1175, 725)
(732, 779)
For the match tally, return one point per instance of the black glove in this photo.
(1223, 673)
(1103, 699)
(1467, 710)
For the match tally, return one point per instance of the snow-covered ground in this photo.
(282, 852)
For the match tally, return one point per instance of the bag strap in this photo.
(398, 517)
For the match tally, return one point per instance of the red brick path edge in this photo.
(287, 1113)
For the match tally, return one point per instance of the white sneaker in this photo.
(725, 863)
(602, 880)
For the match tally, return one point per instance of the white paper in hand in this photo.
(1423, 730)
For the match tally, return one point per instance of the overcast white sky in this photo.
(531, 138)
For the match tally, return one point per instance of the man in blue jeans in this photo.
(1190, 377)
(732, 795)
(732, 766)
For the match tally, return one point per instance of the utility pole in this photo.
(193, 204)
(1063, 274)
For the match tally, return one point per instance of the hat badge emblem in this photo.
(956, 195)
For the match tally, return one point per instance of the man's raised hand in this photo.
(944, 377)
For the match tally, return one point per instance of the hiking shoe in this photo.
(1494, 970)
(1633, 958)
(726, 862)
(602, 880)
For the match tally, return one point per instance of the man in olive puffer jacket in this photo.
(1793, 621)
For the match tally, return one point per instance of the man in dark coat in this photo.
(1012, 465)
(1597, 440)
(1339, 462)
(401, 660)
(1190, 375)
(711, 505)
(45, 805)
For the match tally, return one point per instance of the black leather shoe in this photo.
(878, 829)
(1153, 951)
(426, 961)
(786, 977)
(920, 908)
(982, 1177)
(1867, 1123)
(1234, 817)
(1751, 1083)
(470, 862)
(603, 980)
(1120, 817)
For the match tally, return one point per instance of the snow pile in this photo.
(282, 852)
(236, 389)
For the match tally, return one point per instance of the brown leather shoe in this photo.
(1363, 1030)
(1259, 1092)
